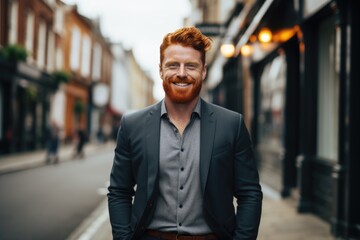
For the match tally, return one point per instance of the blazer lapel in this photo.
(152, 143)
(207, 132)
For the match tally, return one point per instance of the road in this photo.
(49, 202)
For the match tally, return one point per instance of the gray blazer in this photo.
(227, 170)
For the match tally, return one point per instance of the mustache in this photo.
(177, 79)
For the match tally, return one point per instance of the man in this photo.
(187, 158)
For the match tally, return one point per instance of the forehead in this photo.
(181, 53)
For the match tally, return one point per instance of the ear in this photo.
(203, 73)
(160, 71)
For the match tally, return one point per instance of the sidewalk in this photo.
(279, 221)
(22, 161)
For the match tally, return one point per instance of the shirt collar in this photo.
(196, 111)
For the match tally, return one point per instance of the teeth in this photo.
(181, 84)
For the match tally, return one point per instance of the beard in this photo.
(182, 94)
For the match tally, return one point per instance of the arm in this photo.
(247, 188)
(121, 189)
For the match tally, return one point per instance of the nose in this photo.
(181, 72)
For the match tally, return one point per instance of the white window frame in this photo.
(14, 12)
(59, 20)
(29, 37)
(51, 51)
(75, 48)
(96, 66)
(41, 46)
(85, 56)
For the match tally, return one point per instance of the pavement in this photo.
(279, 221)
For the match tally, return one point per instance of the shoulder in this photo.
(142, 114)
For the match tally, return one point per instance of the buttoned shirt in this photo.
(179, 205)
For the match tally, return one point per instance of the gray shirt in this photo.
(179, 205)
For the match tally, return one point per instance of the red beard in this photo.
(182, 94)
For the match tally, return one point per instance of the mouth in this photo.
(181, 84)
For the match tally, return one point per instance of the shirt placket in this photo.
(181, 183)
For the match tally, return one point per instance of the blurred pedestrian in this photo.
(80, 138)
(53, 133)
(187, 158)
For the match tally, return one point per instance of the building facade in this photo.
(141, 84)
(40, 39)
(293, 75)
(25, 84)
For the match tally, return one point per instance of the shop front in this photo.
(25, 94)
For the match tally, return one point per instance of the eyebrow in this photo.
(186, 64)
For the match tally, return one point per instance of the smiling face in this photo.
(182, 72)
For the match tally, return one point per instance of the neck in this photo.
(180, 111)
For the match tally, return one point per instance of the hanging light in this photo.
(265, 35)
(227, 50)
(246, 50)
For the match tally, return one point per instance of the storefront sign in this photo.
(211, 29)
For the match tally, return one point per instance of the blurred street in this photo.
(50, 201)
(67, 77)
(67, 200)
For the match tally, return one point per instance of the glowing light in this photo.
(227, 50)
(246, 50)
(265, 35)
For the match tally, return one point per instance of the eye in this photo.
(191, 66)
(171, 66)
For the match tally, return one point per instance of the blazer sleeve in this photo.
(247, 188)
(121, 189)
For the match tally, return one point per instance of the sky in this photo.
(139, 25)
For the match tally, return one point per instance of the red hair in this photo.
(187, 37)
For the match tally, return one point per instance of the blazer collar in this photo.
(207, 134)
(152, 145)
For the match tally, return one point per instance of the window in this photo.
(328, 93)
(14, 8)
(59, 19)
(29, 38)
(85, 56)
(41, 44)
(75, 48)
(59, 58)
(311, 6)
(51, 51)
(96, 71)
(271, 116)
